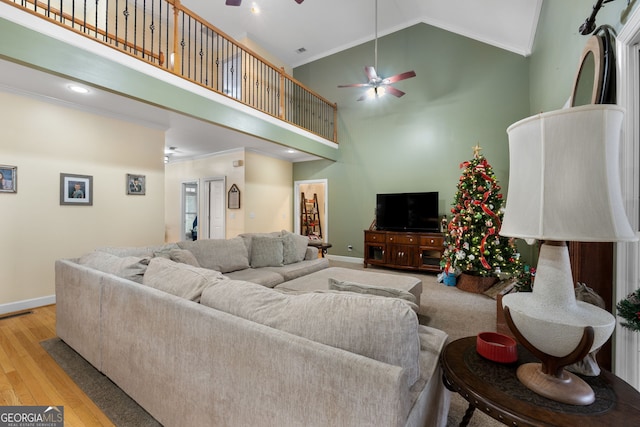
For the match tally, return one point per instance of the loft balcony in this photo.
(170, 42)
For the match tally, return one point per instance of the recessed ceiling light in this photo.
(78, 89)
(291, 151)
(255, 9)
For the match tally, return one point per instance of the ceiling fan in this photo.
(379, 86)
(237, 2)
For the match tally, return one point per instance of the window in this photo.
(189, 210)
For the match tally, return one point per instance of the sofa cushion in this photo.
(129, 267)
(295, 247)
(247, 238)
(347, 286)
(299, 269)
(266, 251)
(261, 276)
(224, 255)
(180, 279)
(183, 256)
(385, 329)
(139, 251)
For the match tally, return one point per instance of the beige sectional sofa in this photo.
(195, 347)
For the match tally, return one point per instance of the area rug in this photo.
(114, 403)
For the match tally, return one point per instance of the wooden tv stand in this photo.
(406, 250)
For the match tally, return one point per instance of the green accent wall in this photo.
(465, 93)
(558, 47)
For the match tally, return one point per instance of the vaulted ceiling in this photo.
(323, 27)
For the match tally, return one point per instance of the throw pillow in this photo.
(266, 252)
(184, 256)
(295, 247)
(384, 329)
(130, 267)
(224, 255)
(248, 237)
(346, 286)
(179, 279)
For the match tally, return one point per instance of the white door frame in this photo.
(296, 205)
(627, 274)
(203, 226)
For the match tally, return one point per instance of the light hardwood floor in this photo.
(29, 376)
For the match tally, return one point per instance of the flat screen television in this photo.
(407, 212)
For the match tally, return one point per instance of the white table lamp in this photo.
(564, 185)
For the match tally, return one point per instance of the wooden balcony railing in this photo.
(169, 36)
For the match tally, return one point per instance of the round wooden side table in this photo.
(494, 389)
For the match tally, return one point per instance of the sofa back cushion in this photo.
(128, 267)
(180, 279)
(224, 255)
(266, 252)
(139, 251)
(384, 329)
(295, 247)
(183, 256)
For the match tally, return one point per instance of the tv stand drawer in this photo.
(402, 239)
(435, 241)
(375, 236)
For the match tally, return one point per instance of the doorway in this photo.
(214, 208)
(189, 210)
(311, 201)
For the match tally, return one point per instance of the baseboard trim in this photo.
(27, 304)
(350, 259)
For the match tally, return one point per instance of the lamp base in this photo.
(567, 388)
(549, 378)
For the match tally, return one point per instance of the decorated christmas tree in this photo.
(472, 243)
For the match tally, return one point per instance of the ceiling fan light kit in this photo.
(377, 85)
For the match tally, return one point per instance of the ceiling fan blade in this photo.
(355, 85)
(399, 77)
(393, 91)
(371, 73)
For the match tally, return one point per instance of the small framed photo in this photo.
(136, 184)
(76, 189)
(8, 179)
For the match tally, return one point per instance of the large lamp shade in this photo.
(564, 181)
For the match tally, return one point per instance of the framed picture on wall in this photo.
(136, 184)
(76, 189)
(8, 179)
(233, 197)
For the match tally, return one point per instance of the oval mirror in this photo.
(588, 83)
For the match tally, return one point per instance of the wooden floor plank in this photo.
(29, 376)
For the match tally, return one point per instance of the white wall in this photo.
(44, 140)
(269, 194)
(197, 170)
